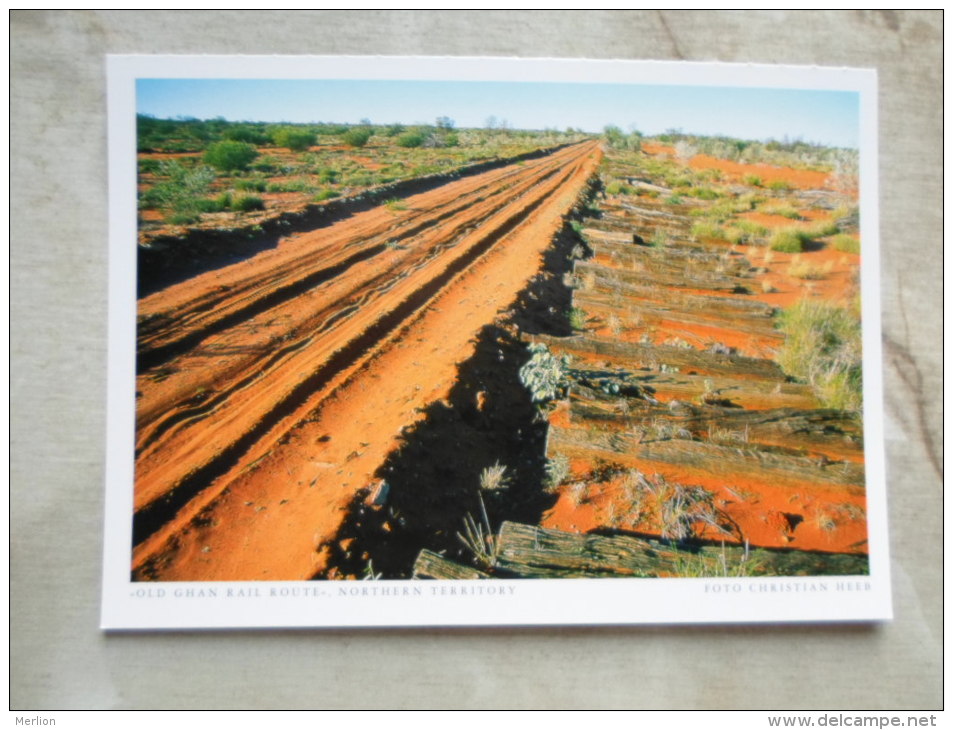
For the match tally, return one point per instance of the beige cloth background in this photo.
(59, 658)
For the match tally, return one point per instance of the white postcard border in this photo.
(129, 605)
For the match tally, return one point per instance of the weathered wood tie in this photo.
(534, 552)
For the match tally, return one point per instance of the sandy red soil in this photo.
(270, 391)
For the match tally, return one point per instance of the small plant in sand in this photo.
(494, 478)
(544, 375)
(614, 324)
(719, 566)
(395, 205)
(577, 318)
(789, 240)
(478, 538)
(557, 471)
(800, 269)
(245, 203)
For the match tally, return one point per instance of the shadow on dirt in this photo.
(433, 480)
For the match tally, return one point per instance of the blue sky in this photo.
(825, 117)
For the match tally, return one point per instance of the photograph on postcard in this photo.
(403, 329)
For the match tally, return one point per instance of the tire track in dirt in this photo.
(272, 362)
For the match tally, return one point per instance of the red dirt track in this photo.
(270, 391)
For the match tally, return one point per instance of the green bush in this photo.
(181, 190)
(779, 185)
(296, 140)
(753, 181)
(845, 243)
(248, 202)
(148, 166)
(326, 194)
(215, 205)
(183, 219)
(789, 240)
(822, 347)
(707, 230)
(411, 139)
(704, 193)
(577, 318)
(228, 156)
(617, 187)
(245, 134)
(257, 185)
(356, 137)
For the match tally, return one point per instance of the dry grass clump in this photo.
(846, 243)
(823, 347)
(494, 478)
(789, 240)
(704, 229)
(800, 269)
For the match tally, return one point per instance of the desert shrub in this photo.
(148, 166)
(395, 204)
(845, 243)
(577, 318)
(779, 185)
(707, 230)
(228, 155)
(544, 374)
(617, 187)
(674, 200)
(823, 228)
(356, 137)
(755, 229)
(823, 347)
(736, 236)
(806, 270)
(753, 181)
(328, 175)
(410, 139)
(289, 186)
(266, 164)
(789, 240)
(326, 194)
(243, 133)
(785, 211)
(704, 193)
(248, 202)
(215, 205)
(295, 139)
(183, 219)
(181, 189)
(557, 471)
(252, 184)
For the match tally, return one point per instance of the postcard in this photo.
(487, 341)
